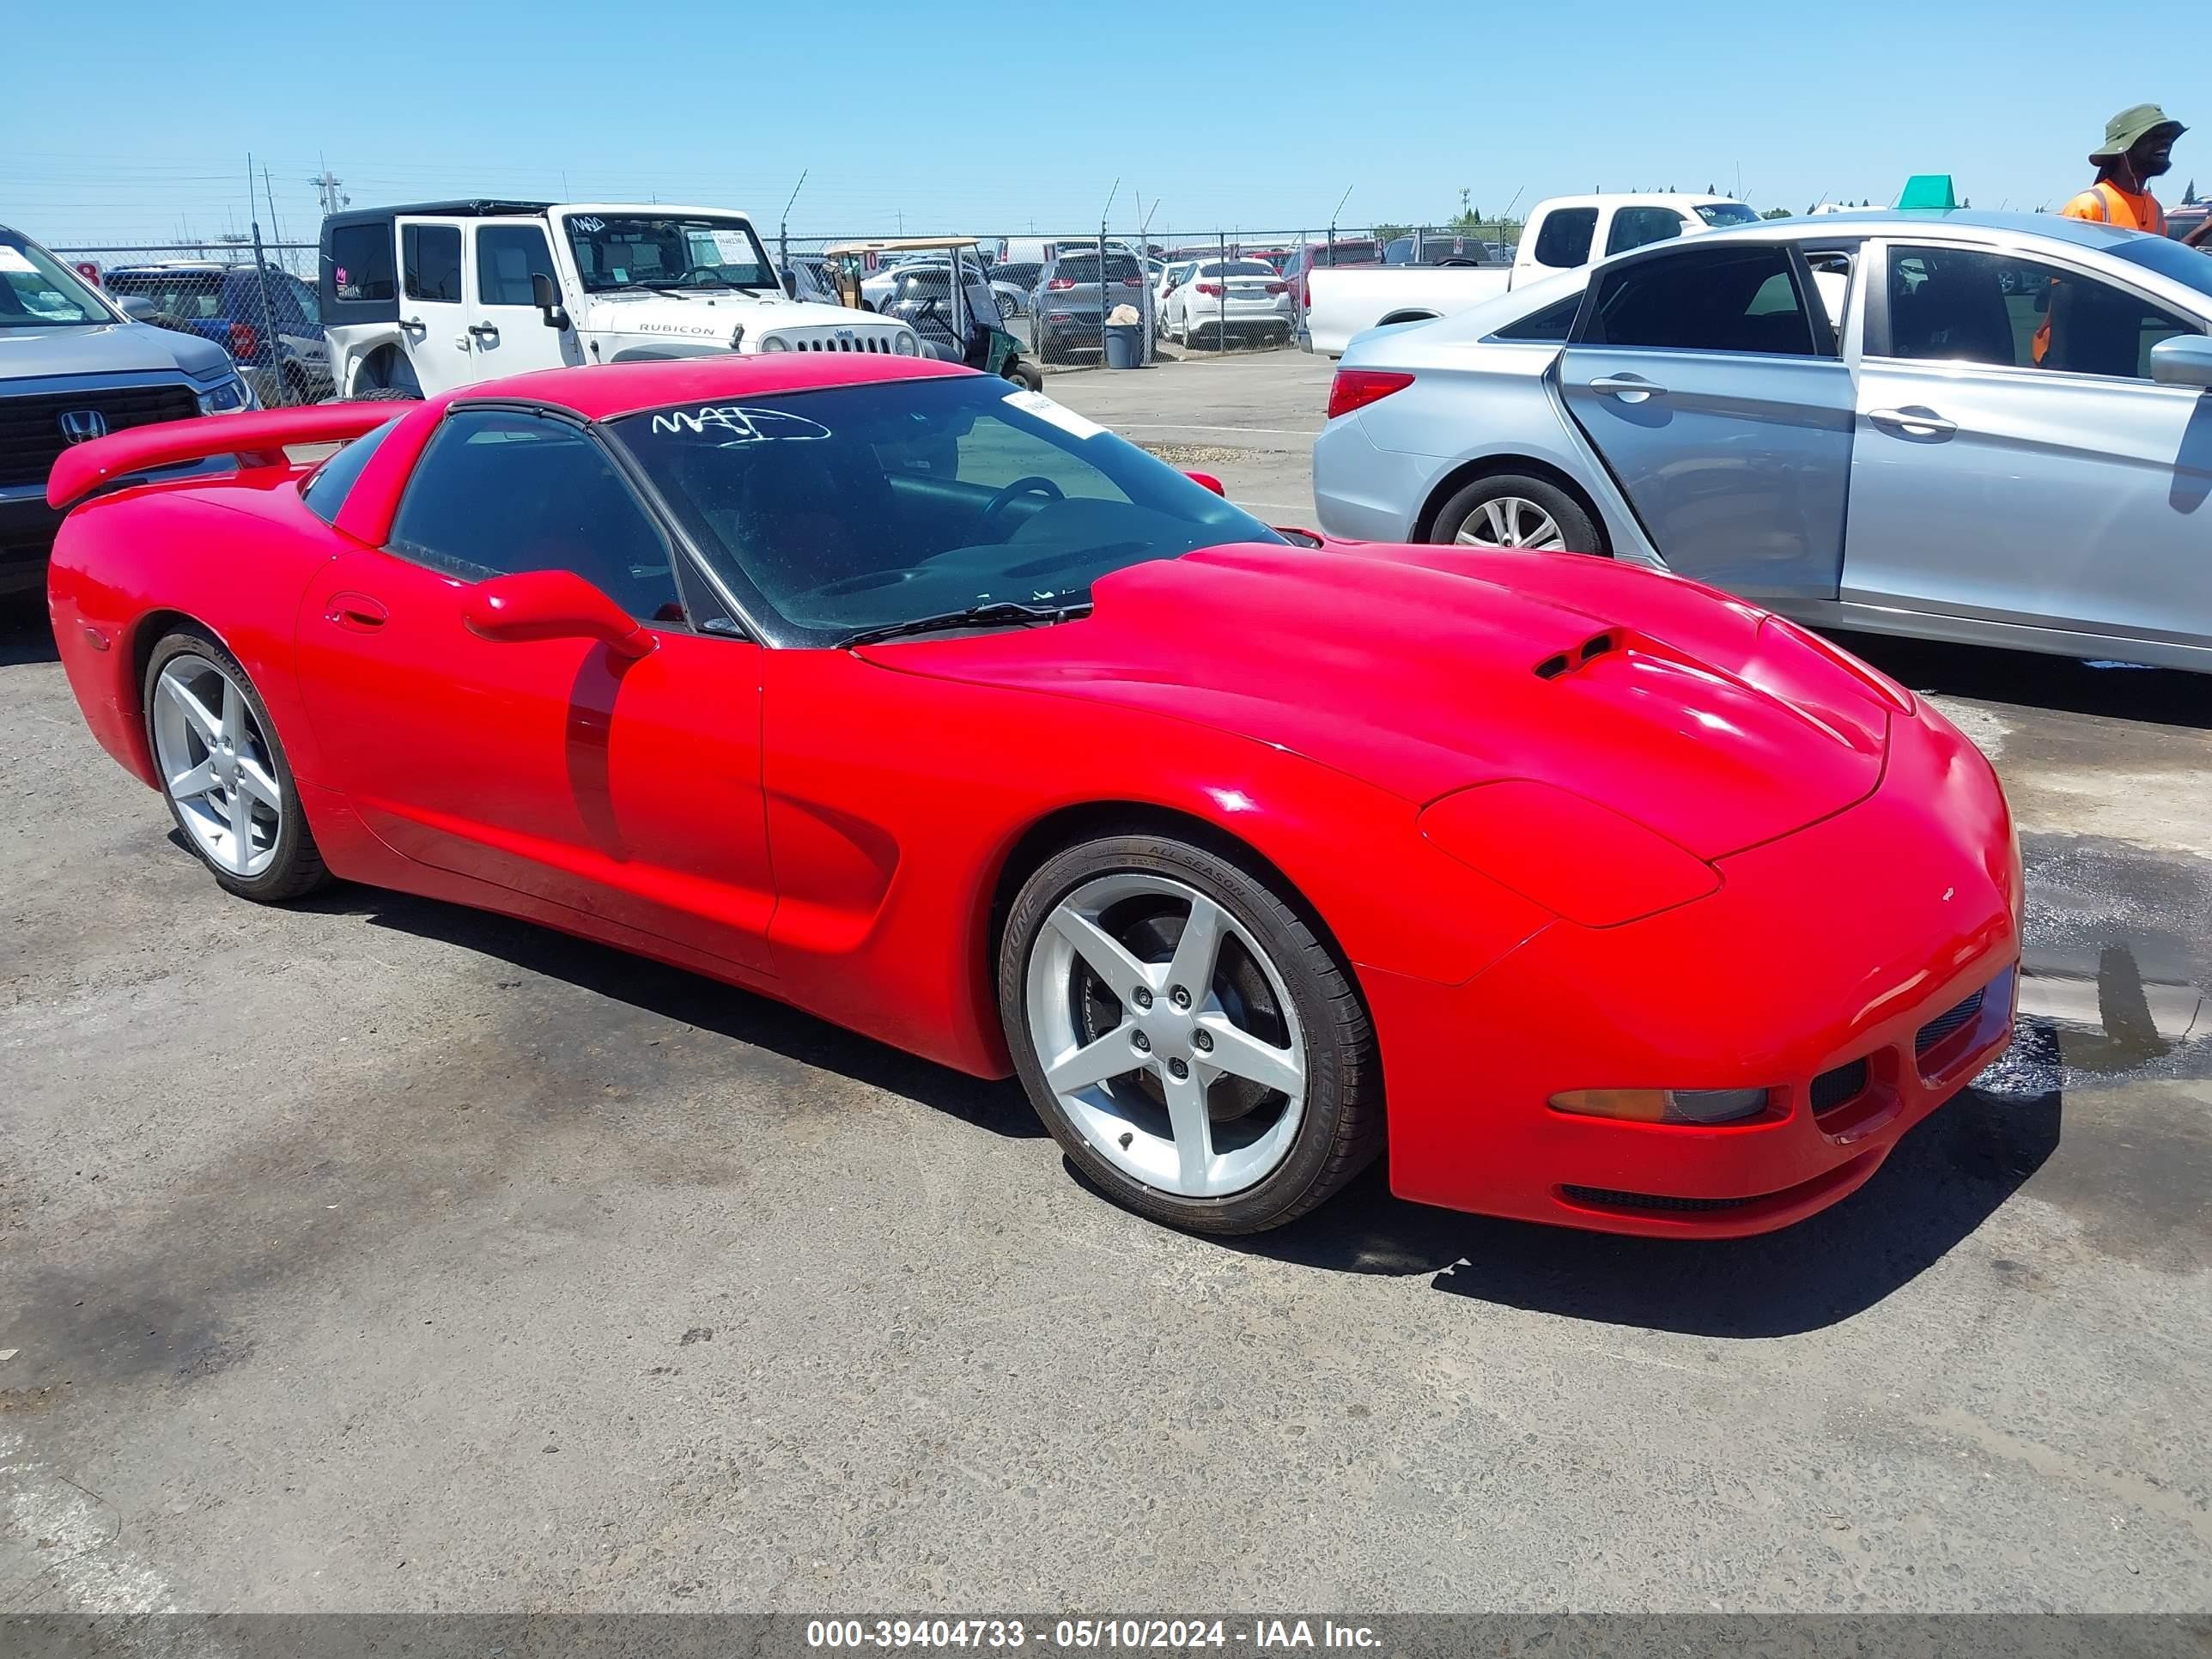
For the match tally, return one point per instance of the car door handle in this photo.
(356, 612)
(414, 322)
(1626, 386)
(486, 332)
(1917, 422)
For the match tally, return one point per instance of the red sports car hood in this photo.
(1423, 669)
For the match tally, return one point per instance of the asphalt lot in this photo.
(378, 1255)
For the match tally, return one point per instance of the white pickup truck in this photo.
(419, 301)
(1562, 233)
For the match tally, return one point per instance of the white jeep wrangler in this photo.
(419, 301)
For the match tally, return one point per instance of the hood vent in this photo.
(1591, 648)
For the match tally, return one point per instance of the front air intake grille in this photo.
(31, 428)
(1606, 1198)
(875, 343)
(1839, 1086)
(1945, 1024)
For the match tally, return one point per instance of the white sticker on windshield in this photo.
(735, 248)
(11, 258)
(1036, 404)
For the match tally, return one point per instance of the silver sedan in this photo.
(1978, 426)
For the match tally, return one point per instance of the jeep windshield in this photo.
(665, 252)
(855, 509)
(38, 291)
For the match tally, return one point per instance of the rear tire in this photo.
(224, 772)
(386, 377)
(1231, 1103)
(1513, 510)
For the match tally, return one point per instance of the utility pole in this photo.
(783, 225)
(269, 194)
(330, 187)
(268, 341)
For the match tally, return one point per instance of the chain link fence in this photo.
(256, 303)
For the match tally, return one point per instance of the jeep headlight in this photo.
(774, 343)
(228, 397)
(906, 344)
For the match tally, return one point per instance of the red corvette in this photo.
(923, 704)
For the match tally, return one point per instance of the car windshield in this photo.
(185, 295)
(618, 251)
(2186, 266)
(852, 508)
(1084, 268)
(38, 291)
(1727, 213)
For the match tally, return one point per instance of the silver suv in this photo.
(75, 367)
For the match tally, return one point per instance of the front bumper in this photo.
(1842, 944)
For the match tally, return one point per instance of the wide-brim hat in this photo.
(2130, 127)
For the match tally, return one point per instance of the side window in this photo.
(1564, 240)
(1552, 323)
(508, 257)
(360, 261)
(1967, 304)
(304, 297)
(498, 492)
(430, 262)
(1635, 226)
(327, 487)
(1742, 299)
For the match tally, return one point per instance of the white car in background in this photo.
(1217, 299)
(1166, 280)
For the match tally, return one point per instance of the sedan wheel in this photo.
(1510, 521)
(1007, 307)
(229, 785)
(1516, 511)
(1192, 1045)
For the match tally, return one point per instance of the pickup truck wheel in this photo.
(1512, 510)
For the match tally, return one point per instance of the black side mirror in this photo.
(791, 285)
(547, 298)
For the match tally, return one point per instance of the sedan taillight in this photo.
(1061, 281)
(1356, 388)
(1212, 290)
(1279, 288)
(245, 342)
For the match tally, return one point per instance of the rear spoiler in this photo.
(256, 437)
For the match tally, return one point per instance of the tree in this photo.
(1777, 212)
(1392, 233)
(2189, 195)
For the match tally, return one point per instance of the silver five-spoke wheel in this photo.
(1511, 522)
(1166, 1034)
(215, 763)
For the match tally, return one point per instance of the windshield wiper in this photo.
(975, 615)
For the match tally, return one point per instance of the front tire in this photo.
(1200, 1055)
(1512, 510)
(225, 774)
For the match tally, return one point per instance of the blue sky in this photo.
(131, 121)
